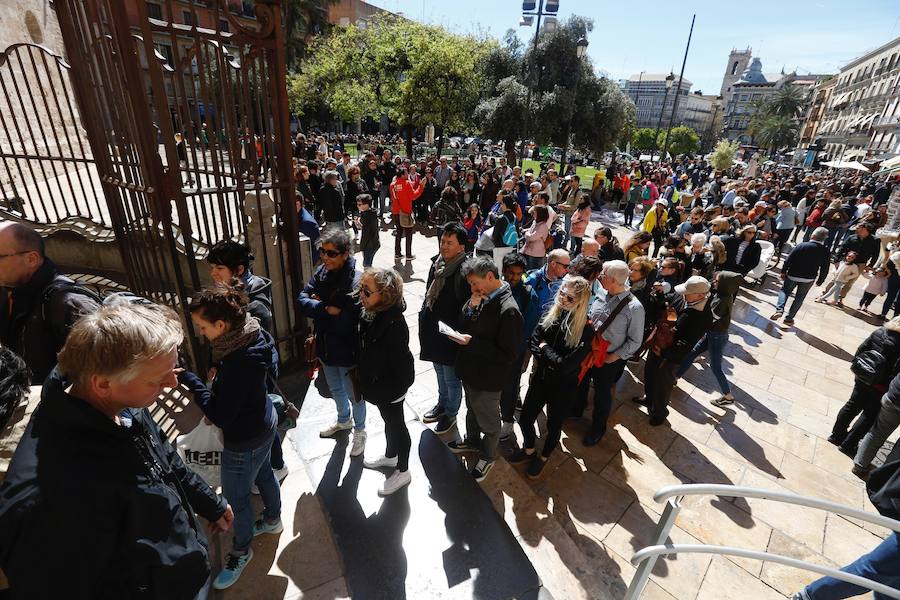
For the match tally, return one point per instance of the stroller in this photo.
(758, 274)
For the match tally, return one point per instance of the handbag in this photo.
(407, 220)
(201, 451)
(663, 335)
(599, 345)
(286, 411)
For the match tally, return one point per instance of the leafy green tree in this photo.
(682, 140)
(774, 131)
(723, 155)
(644, 138)
(789, 101)
(501, 112)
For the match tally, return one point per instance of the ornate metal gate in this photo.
(186, 112)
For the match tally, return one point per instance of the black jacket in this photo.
(722, 301)
(354, 189)
(496, 329)
(110, 507)
(436, 347)
(692, 324)
(238, 401)
(555, 359)
(749, 259)
(43, 312)
(867, 249)
(808, 260)
(368, 240)
(337, 342)
(331, 203)
(385, 361)
(884, 343)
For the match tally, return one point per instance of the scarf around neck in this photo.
(442, 271)
(235, 339)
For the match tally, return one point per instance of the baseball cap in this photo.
(694, 285)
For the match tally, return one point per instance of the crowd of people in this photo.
(517, 281)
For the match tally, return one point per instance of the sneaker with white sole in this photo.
(445, 424)
(433, 415)
(481, 469)
(393, 483)
(359, 443)
(382, 462)
(261, 526)
(234, 566)
(335, 428)
(506, 430)
(282, 473)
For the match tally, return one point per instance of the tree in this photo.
(774, 131)
(789, 102)
(682, 140)
(501, 111)
(723, 156)
(302, 20)
(643, 138)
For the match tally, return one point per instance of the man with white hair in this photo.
(95, 488)
(618, 320)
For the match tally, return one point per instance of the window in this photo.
(344, 21)
(154, 11)
(744, 97)
(734, 67)
(166, 51)
(188, 17)
(756, 96)
(224, 26)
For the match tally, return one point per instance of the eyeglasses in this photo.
(329, 253)
(566, 265)
(14, 254)
(566, 297)
(366, 292)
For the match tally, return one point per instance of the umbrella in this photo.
(846, 164)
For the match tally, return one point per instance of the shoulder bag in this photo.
(599, 345)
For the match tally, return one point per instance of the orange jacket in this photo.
(403, 192)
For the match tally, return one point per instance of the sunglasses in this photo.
(566, 297)
(366, 292)
(329, 253)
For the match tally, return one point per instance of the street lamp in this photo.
(669, 79)
(530, 10)
(580, 50)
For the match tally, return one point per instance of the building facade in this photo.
(354, 12)
(648, 92)
(862, 117)
(812, 121)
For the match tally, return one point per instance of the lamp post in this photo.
(530, 10)
(669, 79)
(678, 89)
(580, 50)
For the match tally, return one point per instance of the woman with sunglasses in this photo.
(329, 301)
(386, 368)
(559, 344)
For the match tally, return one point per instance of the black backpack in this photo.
(62, 283)
(870, 365)
(883, 487)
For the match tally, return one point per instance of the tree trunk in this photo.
(510, 147)
(409, 142)
(439, 140)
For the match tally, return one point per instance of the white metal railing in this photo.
(645, 559)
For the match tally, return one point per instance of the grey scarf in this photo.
(443, 270)
(235, 339)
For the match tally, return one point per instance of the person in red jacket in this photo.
(403, 193)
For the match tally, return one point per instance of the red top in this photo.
(403, 192)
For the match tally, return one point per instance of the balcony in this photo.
(886, 122)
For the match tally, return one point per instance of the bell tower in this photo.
(737, 63)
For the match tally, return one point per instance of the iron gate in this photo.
(186, 114)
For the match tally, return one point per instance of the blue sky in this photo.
(816, 36)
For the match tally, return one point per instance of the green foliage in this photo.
(644, 138)
(776, 121)
(682, 140)
(723, 156)
(789, 102)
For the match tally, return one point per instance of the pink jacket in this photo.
(534, 239)
(580, 220)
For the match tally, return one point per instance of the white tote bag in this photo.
(201, 451)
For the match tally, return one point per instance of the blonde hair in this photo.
(388, 283)
(718, 248)
(573, 321)
(116, 341)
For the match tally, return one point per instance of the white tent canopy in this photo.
(891, 162)
(846, 164)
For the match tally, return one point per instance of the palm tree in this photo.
(774, 131)
(789, 101)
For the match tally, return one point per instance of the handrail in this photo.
(653, 551)
(672, 496)
(733, 491)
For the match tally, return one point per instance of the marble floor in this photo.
(593, 508)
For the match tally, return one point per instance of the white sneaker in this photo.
(393, 483)
(506, 430)
(359, 443)
(281, 474)
(381, 462)
(335, 428)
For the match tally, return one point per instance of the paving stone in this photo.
(725, 581)
(789, 579)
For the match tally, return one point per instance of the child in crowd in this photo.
(847, 271)
(367, 223)
(877, 286)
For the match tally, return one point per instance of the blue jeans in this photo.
(789, 286)
(240, 470)
(368, 257)
(342, 392)
(449, 389)
(878, 565)
(713, 341)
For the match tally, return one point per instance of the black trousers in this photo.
(509, 396)
(864, 401)
(276, 458)
(604, 379)
(396, 434)
(401, 232)
(554, 393)
(659, 380)
(629, 214)
(658, 240)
